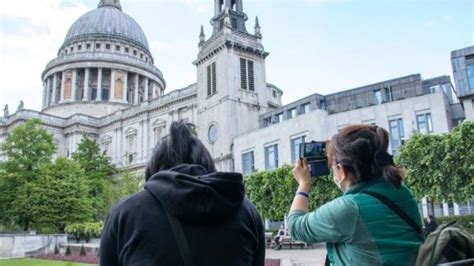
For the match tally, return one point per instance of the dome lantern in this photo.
(112, 3)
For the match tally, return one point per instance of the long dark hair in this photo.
(181, 146)
(362, 150)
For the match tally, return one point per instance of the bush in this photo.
(85, 230)
(465, 221)
(83, 251)
(273, 191)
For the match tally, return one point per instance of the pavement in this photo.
(289, 257)
(299, 257)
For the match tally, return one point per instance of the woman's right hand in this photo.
(302, 174)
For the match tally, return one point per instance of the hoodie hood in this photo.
(190, 193)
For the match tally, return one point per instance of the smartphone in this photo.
(314, 153)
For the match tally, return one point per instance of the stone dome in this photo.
(107, 21)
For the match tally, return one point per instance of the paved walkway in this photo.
(299, 257)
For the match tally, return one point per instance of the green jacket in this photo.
(360, 230)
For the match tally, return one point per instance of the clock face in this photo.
(212, 133)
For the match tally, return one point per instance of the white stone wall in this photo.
(17, 246)
(319, 126)
(469, 108)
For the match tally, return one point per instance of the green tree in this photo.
(441, 167)
(459, 161)
(126, 183)
(27, 149)
(60, 196)
(99, 172)
(422, 156)
(272, 192)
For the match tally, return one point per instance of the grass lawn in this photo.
(35, 262)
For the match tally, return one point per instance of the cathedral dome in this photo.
(107, 20)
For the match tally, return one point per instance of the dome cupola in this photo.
(104, 65)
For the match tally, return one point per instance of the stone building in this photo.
(463, 71)
(104, 84)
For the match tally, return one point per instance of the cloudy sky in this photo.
(319, 46)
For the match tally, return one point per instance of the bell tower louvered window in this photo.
(211, 79)
(247, 76)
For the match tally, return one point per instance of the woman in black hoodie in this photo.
(188, 214)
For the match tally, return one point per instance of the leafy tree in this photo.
(272, 192)
(60, 196)
(125, 184)
(85, 230)
(459, 161)
(27, 149)
(441, 167)
(422, 156)
(99, 172)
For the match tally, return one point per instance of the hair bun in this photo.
(382, 159)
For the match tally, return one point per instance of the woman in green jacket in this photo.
(359, 229)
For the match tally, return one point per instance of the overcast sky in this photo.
(319, 46)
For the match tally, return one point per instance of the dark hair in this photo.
(181, 146)
(362, 150)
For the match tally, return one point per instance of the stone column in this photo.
(86, 84)
(44, 104)
(240, 7)
(99, 85)
(146, 133)
(48, 85)
(146, 89)
(125, 87)
(112, 86)
(63, 83)
(217, 7)
(55, 88)
(153, 91)
(137, 79)
(74, 85)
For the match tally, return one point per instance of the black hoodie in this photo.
(221, 226)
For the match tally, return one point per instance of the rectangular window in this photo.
(424, 123)
(79, 47)
(214, 78)
(267, 121)
(88, 46)
(397, 134)
(157, 134)
(105, 94)
(97, 46)
(292, 113)
(470, 76)
(271, 157)
(306, 108)
(388, 94)
(127, 50)
(243, 74)
(248, 163)
(279, 118)
(117, 47)
(211, 79)
(107, 46)
(247, 77)
(378, 96)
(135, 52)
(295, 148)
(251, 76)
